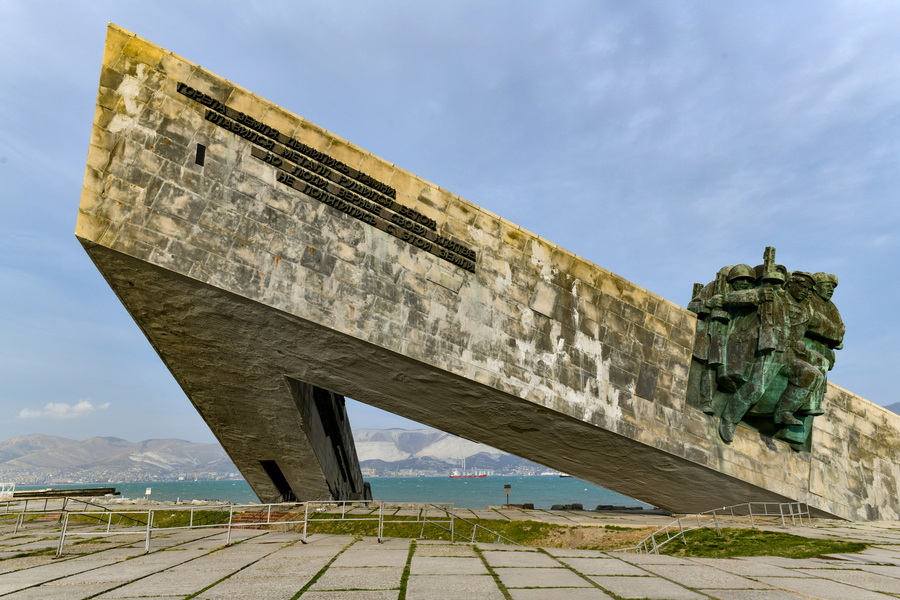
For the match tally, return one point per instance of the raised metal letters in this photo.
(334, 183)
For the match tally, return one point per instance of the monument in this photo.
(277, 268)
(763, 349)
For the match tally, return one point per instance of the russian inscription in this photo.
(335, 183)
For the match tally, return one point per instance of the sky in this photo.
(659, 140)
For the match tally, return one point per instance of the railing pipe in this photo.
(62, 536)
(381, 523)
(305, 520)
(230, 519)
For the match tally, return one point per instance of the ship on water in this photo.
(463, 474)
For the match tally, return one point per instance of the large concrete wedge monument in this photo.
(277, 268)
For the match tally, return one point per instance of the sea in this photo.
(542, 491)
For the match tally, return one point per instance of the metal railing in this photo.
(453, 518)
(287, 516)
(717, 517)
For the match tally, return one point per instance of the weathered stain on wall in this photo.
(533, 320)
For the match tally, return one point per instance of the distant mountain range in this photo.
(387, 451)
(41, 458)
(44, 458)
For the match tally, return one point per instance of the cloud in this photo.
(62, 410)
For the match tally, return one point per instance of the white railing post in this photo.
(191, 526)
(149, 527)
(269, 516)
(62, 536)
(381, 523)
(750, 508)
(452, 518)
(781, 510)
(305, 520)
(681, 529)
(716, 519)
(230, 518)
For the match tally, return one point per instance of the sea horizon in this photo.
(474, 493)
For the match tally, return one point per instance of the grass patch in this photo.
(526, 533)
(404, 579)
(43, 552)
(704, 543)
(182, 518)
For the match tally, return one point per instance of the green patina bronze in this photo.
(765, 343)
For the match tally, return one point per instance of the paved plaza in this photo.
(276, 565)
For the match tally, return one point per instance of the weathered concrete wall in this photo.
(535, 350)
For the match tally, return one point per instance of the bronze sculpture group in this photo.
(766, 339)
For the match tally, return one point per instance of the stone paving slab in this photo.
(354, 595)
(753, 595)
(747, 568)
(171, 556)
(559, 594)
(115, 572)
(519, 559)
(646, 587)
(824, 589)
(367, 557)
(277, 568)
(365, 578)
(442, 587)
(863, 579)
(372, 543)
(257, 588)
(651, 559)
(600, 566)
(702, 576)
(309, 551)
(576, 552)
(16, 564)
(519, 577)
(222, 560)
(60, 592)
(428, 565)
(505, 547)
(445, 550)
(889, 571)
(787, 563)
(167, 583)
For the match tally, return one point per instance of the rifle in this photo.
(767, 341)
